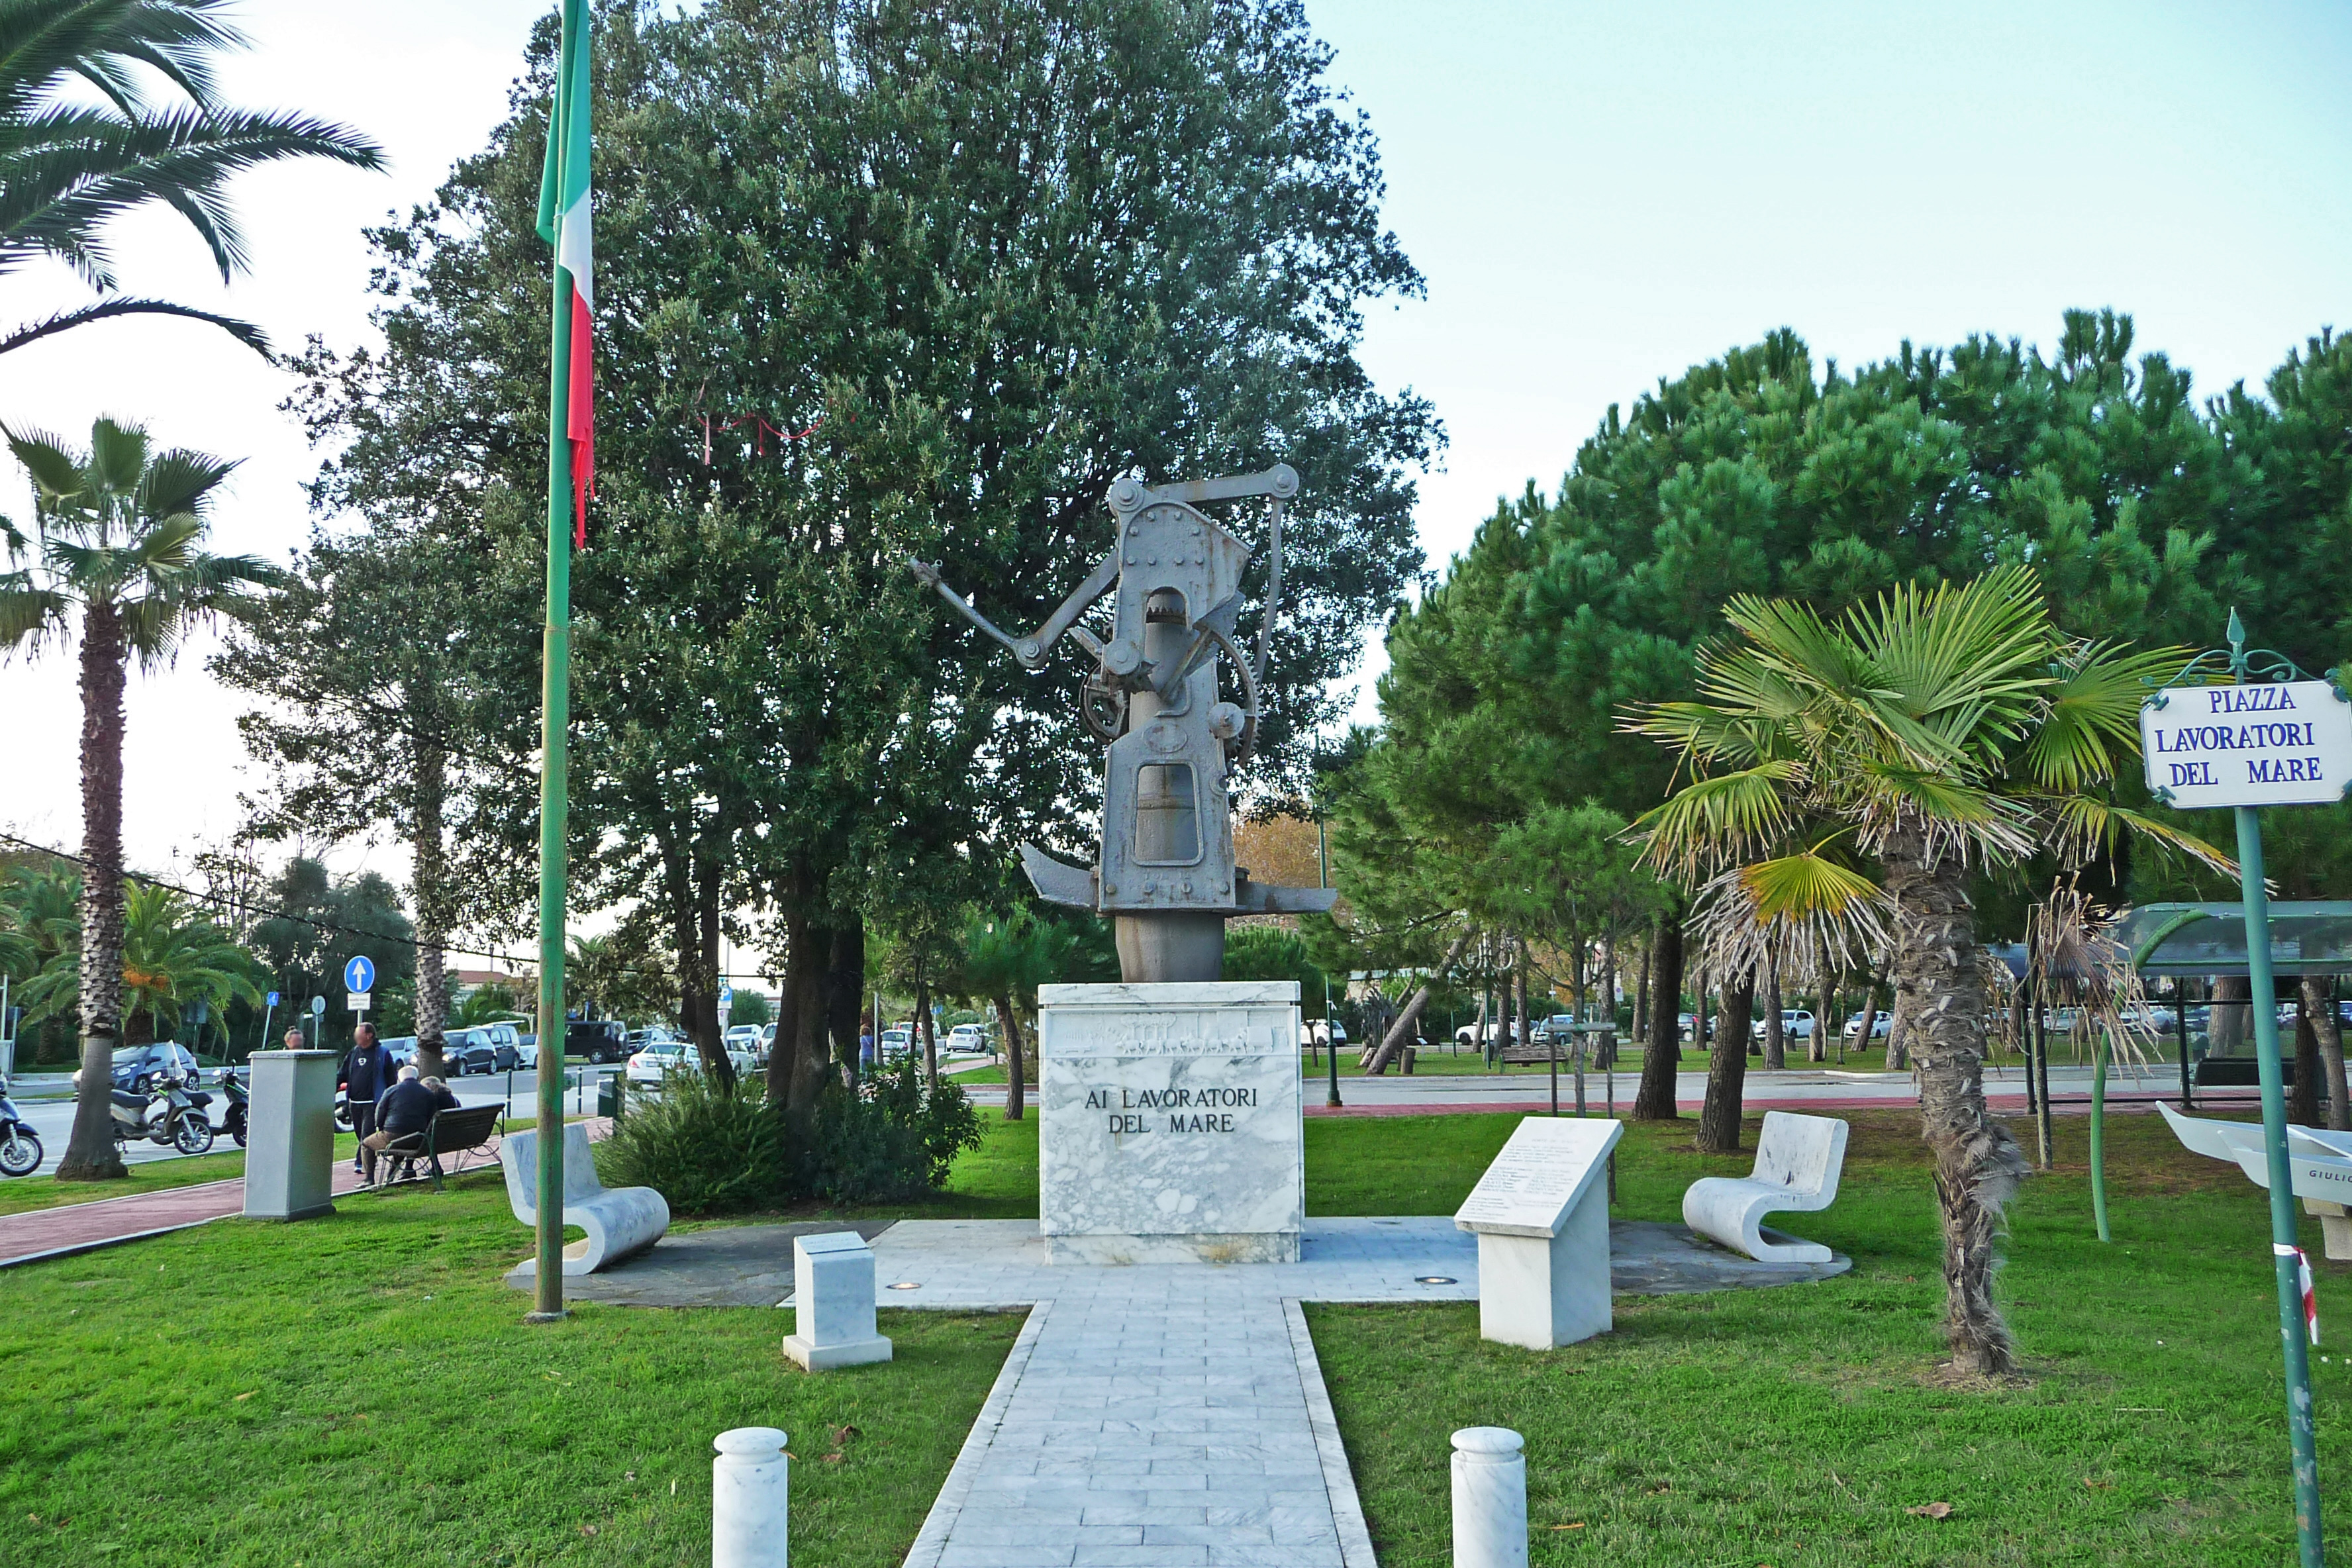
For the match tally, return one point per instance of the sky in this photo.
(1599, 195)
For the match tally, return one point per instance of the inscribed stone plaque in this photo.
(1540, 1175)
(1170, 1125)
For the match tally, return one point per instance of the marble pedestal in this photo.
(1168, 1124)
(833, 1303)
(289, 1159)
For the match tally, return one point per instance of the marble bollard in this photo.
(750, 1499)
(833, 1303)
(1490, 1498)
(1168, 1126)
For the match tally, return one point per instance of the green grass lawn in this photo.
(361, 1390)
(24, 1193)
(1800, 1426)
(394, 1408)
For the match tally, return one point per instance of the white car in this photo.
(1882, 1028)
(1321, 1031)
(1796, 1023)
(967, 1039)
(661, 1057)
(896, 1043)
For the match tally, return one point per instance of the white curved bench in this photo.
(1796, 1164)
(620, 1222)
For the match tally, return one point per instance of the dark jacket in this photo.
(367, 1072)
(406, 1107)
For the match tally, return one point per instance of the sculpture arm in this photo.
(1031, 650)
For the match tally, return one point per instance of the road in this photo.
(51, 1120)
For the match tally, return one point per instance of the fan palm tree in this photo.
(67, 168)
(1841, 775)
(121, 533)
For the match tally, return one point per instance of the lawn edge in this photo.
(1338, 1478)
(931, 1541)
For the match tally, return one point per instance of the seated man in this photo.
(408, 1109)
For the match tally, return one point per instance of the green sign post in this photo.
(2269, 737)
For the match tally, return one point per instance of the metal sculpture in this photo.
(1165, 875)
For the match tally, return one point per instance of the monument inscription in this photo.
(1541, 1213)
(1170, 1126)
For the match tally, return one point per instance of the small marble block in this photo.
(833, 1301)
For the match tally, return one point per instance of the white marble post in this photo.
(1541, 1215)
(289, 1157)
(1490, 1498)
(751, 1496)
(833, 1303)
(1170, 1125)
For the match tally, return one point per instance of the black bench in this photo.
(459, 1133)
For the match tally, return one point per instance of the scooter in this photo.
(233, 1089)
(164, 1110)
(20, 1147)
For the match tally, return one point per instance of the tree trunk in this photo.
(845, 993)
(1662, 1054)
(1977, 1164)
(796, 1076)
(1727, 1069)
(1394, 1041)
(1870, 1003)
(1776, 1036)
(1608, 1054)
(1826, 1018)
(1641, 1033)
(2319, 1001)
(430, 885)
(1898, 1033)
(1016, 1084)
(2302, 1099)
(2228, 1026)
(931, 1035)
(89, 1149)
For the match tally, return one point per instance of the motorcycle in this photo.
(20, 1147)
(233, 1119)
(162, 1110)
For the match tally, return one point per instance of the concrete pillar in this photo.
(1490, 1498)
(751, 1485)
(832, 1301)
(289, 1156)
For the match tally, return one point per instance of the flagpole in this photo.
(554, 776)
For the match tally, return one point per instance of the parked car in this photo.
(1321, 1031)
(595, 1039)
(967, 1039)
(484, 1048)
(660, 1057)
(1475, 1034)
(1796, 1023)
(132, 1063)
(1881, 1028)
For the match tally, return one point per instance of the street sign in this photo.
(318, 1006)
(726, 1003)
(359, 974)
(273, 998)
(2271, 743)
(361, 1001)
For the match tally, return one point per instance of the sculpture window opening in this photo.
(1166, 816)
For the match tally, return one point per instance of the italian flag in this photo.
(563, 223)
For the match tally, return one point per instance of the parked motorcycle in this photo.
(162, 1110)
(234, 1090)
(20, 1147)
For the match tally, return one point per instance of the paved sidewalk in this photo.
(105, 1222)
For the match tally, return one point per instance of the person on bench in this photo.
(407, 1109)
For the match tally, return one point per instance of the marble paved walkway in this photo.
(1175, 1416)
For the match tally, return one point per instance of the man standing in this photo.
(366, 1075)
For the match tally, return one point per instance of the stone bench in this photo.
(1796, 1164)
(2319, 1166)
(620, 1222)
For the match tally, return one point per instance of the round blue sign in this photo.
(273, 998)
(359, 974)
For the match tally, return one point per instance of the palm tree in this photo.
(121, 532)
(1922, 738)
(172, 956)
(67, 170)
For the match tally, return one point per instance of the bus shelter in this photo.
(2183, 951)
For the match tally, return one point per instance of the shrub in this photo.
(708, 1151)
(895, 1137)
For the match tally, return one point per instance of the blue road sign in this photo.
(273, 998)
(359, 974)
